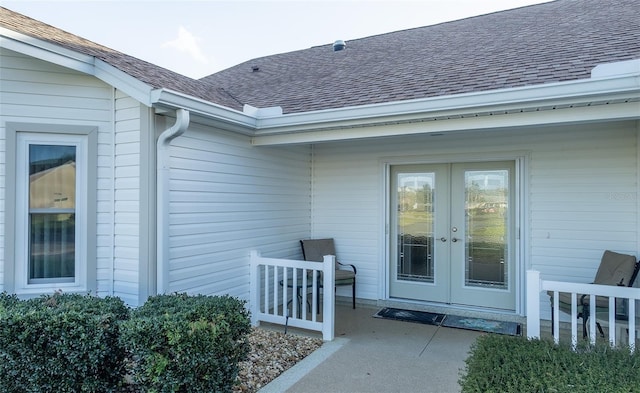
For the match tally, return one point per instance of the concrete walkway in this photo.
(380, 355)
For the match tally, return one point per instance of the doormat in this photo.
(483, 325)
(451, 321)
(410, 316)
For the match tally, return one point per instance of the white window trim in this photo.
(19, 137)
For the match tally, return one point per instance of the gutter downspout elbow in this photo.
(162, 197)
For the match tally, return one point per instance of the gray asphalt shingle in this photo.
(550, 42)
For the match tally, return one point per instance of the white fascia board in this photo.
(522, 98)
(128, 84)
(46, 51)
(223, 117)
(547, 117)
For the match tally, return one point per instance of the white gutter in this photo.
(162, 196)
(512, 99)
(226, 118)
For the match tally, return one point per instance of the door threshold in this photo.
(460, 310)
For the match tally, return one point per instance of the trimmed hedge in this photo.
(187, 344)
(61, 343)
(515, 364)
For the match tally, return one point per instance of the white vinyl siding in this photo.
(582, 194)
(38, 93)
(226, 198)
(126, 201)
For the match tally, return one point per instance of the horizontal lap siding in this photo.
(583, 201)
(33, 91)
(125, 222)
(582, 184)
(228, 197)
(347, 197)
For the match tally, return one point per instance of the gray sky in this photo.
(197, 38)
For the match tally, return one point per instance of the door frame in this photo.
(521, 161)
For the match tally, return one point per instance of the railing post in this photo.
(533, 304)
(328, 298)
(254, 287)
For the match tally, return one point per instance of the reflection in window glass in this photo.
(487, 206)
(52, 192)
(415, 226)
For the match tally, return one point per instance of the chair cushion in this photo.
(342, 275)
(615, 269)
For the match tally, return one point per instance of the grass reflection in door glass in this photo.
(487, 208)
(415, 227)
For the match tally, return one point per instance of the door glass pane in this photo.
(52, 193)
(486, 208)
(415, 226)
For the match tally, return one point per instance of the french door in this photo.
(452, 233)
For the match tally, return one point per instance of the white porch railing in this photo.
(535, 286)
(287, 292)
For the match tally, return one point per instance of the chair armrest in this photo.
(347, 264)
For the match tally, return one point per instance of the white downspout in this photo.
(162, 197)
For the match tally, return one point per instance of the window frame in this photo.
(19, 137)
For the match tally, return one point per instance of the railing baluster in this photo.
(304, 293)
(592, 318)
(294, 293)
(574, 320)
(314, 296)
(612, 320)
(632, 324)
(556, 318)
(285, 291)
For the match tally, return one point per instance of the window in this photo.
(54, 219)
(52, 213)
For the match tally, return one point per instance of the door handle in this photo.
(454, 239)
(443, 239)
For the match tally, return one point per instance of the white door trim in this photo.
(521, 159)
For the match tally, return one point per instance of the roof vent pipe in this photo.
(339, 45)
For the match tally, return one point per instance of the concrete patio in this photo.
(379, 355)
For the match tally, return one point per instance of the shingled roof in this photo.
(151, 74)
(551, 42)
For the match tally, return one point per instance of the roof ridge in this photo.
(439, 23)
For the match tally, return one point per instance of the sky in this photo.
(198, 38)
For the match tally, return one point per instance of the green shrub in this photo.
(515, 364)
(183, 343)
(61, 343)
